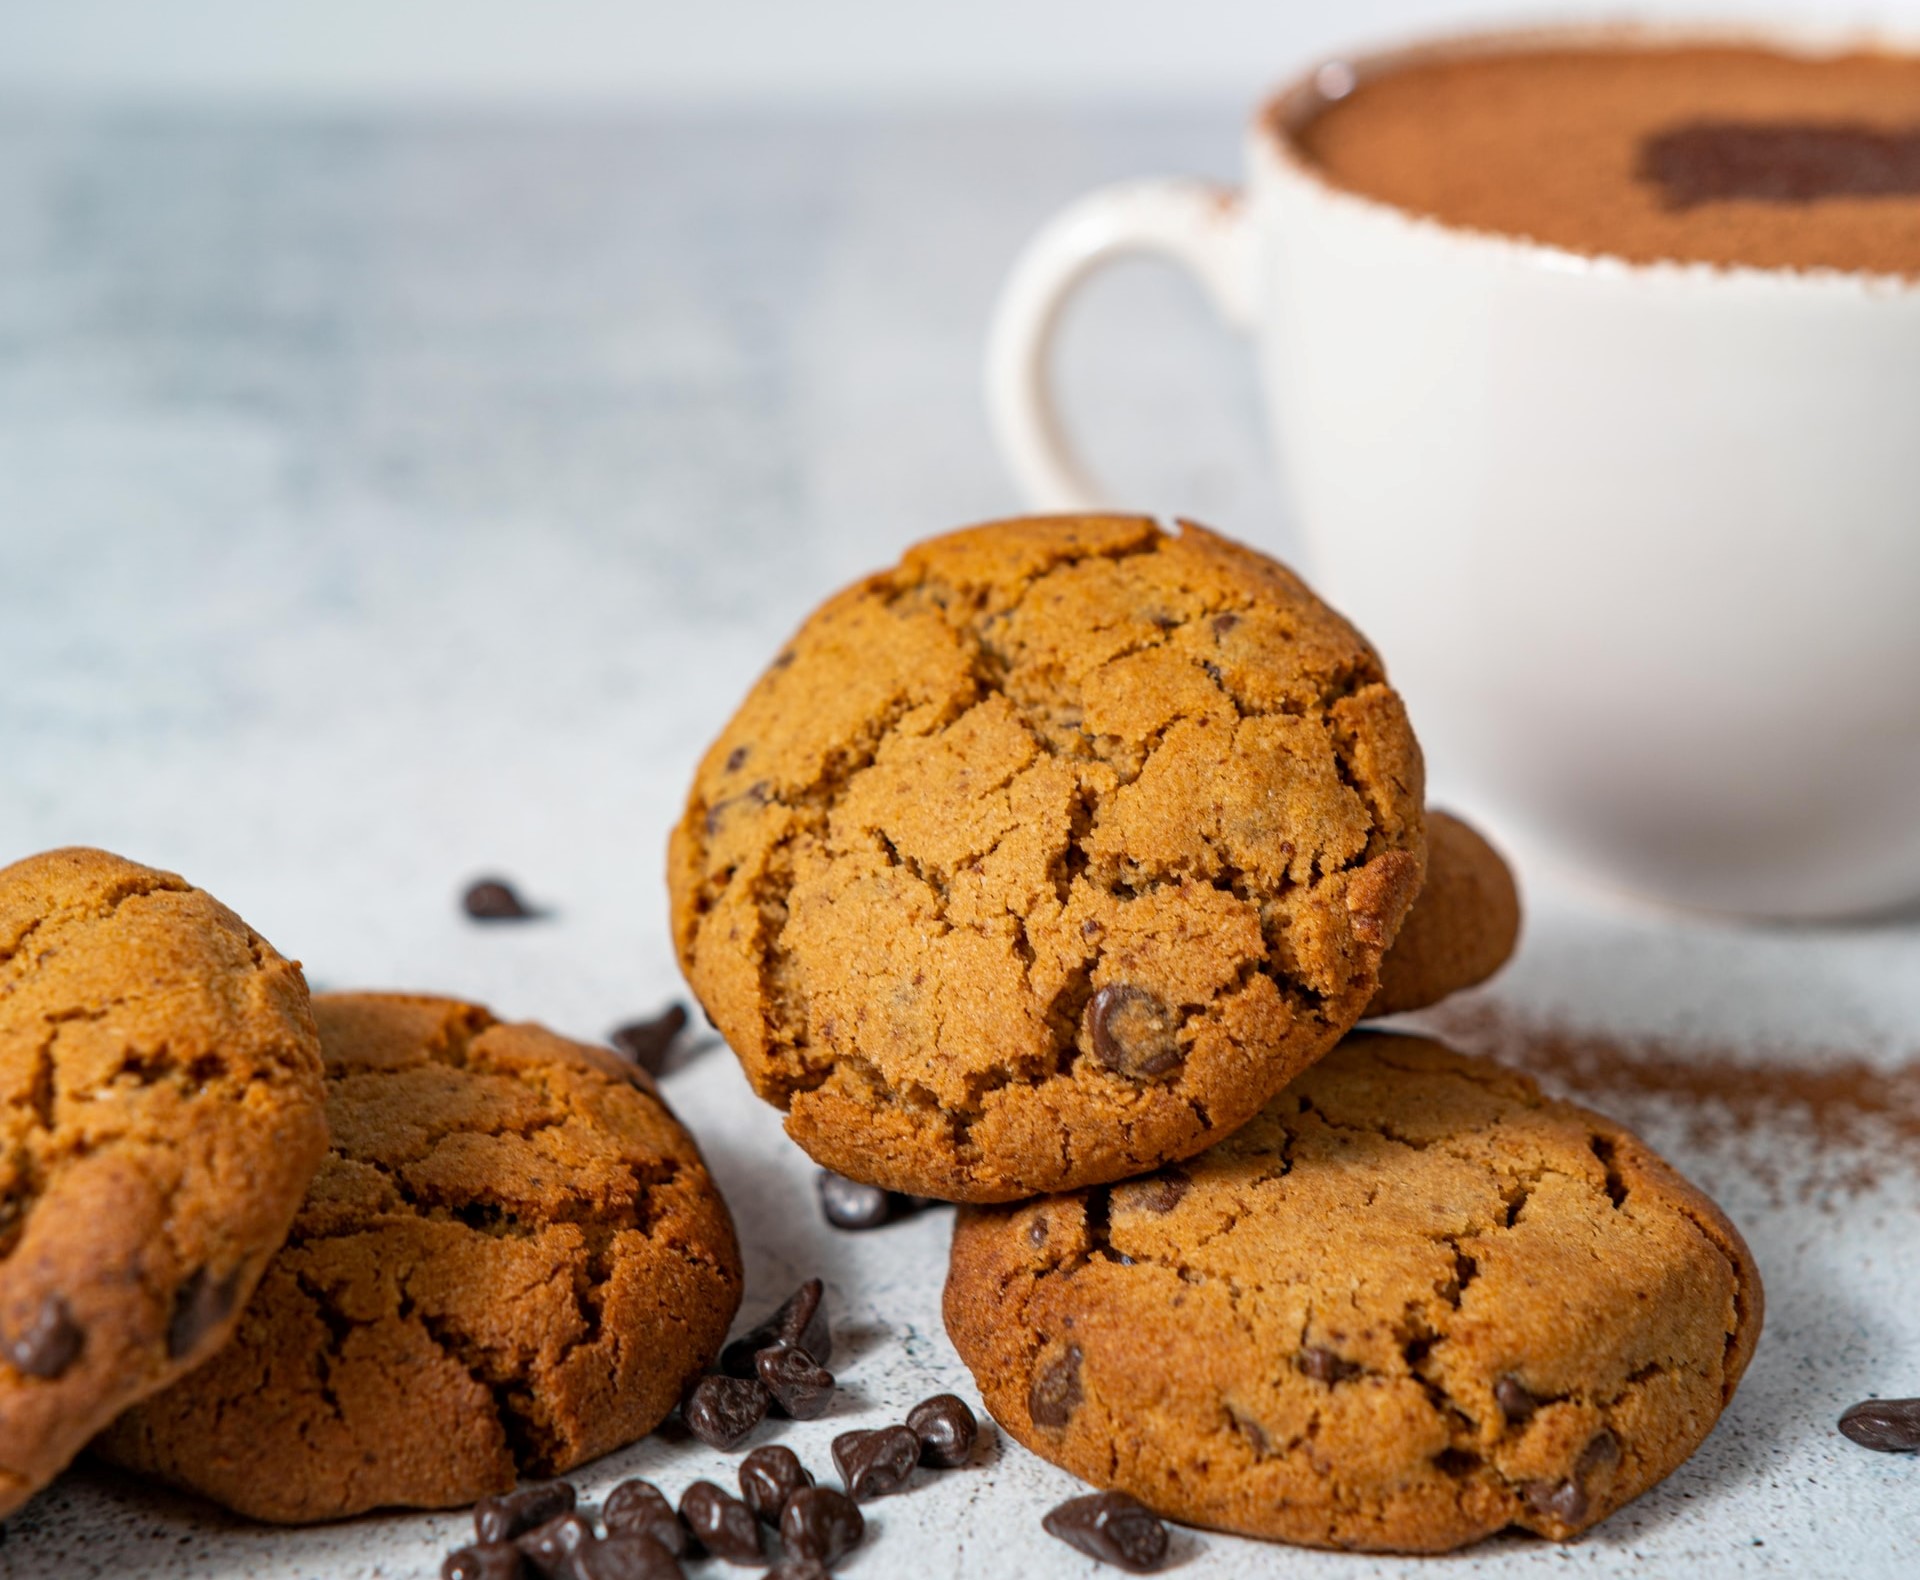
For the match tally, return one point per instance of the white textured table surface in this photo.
(381, 504)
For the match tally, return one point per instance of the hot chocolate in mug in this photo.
(1638, 540)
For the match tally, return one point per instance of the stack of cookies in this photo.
(1049, 872)
(407, 1253)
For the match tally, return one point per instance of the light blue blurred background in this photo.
(836, 52)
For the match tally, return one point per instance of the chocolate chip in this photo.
(640, 1508)
(1891, 1426)
(847, 1204)
(800, 1387)
(821, 1524)
(1323, 1366)
(1161, 1193)
(876, 1464)
(1055, 1393)
(1111, 1527)
(801, 1320)
(1224, 623)
(1603, 1450)
(721, 1411)
(736, 759)
(510, 1514)
(721, 1523)
(768, 1477)
(1516, 1404)
(1132, 1032)
(647, 1042)
(50, 1343)
(1565, 1501)
(200, 1305)
(1252, 1431)
(946, 1429)
(486, 1561)
(797, 1569)
(758, 794)
(494, 900)
(549, 1548)
(628, 1556)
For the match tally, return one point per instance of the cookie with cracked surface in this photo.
(511, 1261)
(1048, 856)
(162, 1116)
(1463, 925)
(1412, 1303)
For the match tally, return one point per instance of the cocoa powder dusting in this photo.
(1703, 153)
(1808, 1124)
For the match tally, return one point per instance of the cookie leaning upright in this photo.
(511, 1261)
(1048, 856)
(163, 1114)
(1462, 928)
(1411, 1303)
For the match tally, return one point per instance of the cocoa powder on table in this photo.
(1805, 1122)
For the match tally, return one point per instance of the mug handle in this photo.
(1192, 222)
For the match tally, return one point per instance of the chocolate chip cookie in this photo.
(1463, 925)
(162, 1116)
(1411, 1303)
(1048, 855)
(512, 1260)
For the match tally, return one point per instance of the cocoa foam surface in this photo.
(1559, 146)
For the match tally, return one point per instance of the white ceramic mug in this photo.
(1640, 542)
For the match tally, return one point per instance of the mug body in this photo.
(1641, 542)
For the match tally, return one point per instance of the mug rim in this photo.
(1285, 109)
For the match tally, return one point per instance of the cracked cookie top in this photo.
(1411, 1303)
(1048, 855)
(160, 1115)
(511, 1261)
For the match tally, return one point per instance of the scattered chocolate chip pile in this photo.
(800, 1386)
(1111, 1527)
(721, 1523)
(721, 1411)
(777, 1365)
(821, 1525)
(650, 1043)
(876, 1463)
(639, 1508)
(537, 1532)
(769, 1477)
(1892, 1426)
(800, 1321)
(847, 1204)
(495, 900)
(946, 1430)
(512, 1514)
